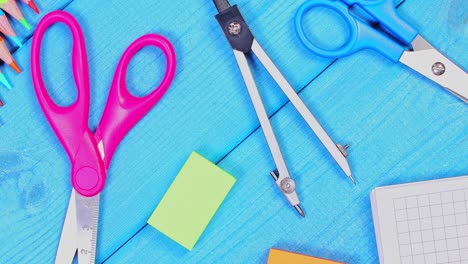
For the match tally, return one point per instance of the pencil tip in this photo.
(5, 81)
(299, 210)
(15, 67)
(25, 23)
(33, 6)
(16, 40)
(352, 179)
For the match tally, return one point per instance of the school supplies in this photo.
(278, 256)
(423, 222)
(12, 8)
(90, 153)
(191, 201)
(7, 30)
(243, 43)
(32, 5)
(6, 56)
(395, 39)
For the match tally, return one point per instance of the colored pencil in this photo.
(12, 8)
(32, 5)
(6, 56)
(5, 81)
(7, 30)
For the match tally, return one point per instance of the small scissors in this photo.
(409, 47)
(90, 154)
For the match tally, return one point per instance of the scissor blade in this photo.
(429, 62)
(310, 119)
(67, 244)
(87, 214)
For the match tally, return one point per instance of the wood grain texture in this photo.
(401, 128)
(418, 132)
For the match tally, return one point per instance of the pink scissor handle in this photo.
(123, 110)
(70, 123)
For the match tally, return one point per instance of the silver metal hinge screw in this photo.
(234, 28)
(288, 185)
(438, 68)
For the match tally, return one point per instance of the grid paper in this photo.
(433, 228)
(422, 222)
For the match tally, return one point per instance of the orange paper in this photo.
(285, 257)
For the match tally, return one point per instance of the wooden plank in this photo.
(401, 127)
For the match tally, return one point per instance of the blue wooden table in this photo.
(401, 128)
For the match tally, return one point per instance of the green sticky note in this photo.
(191, 201)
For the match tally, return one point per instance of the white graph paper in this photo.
(422, 223)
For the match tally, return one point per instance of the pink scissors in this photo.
(90, 154)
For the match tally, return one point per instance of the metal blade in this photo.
(265, 124)
(87, 214)
(297, 102)
(67, 244)
(429, 62)
(101, 150)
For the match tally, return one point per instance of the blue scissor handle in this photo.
(384, 12)
(361, 36)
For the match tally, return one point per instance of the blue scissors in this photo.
(399, 41)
